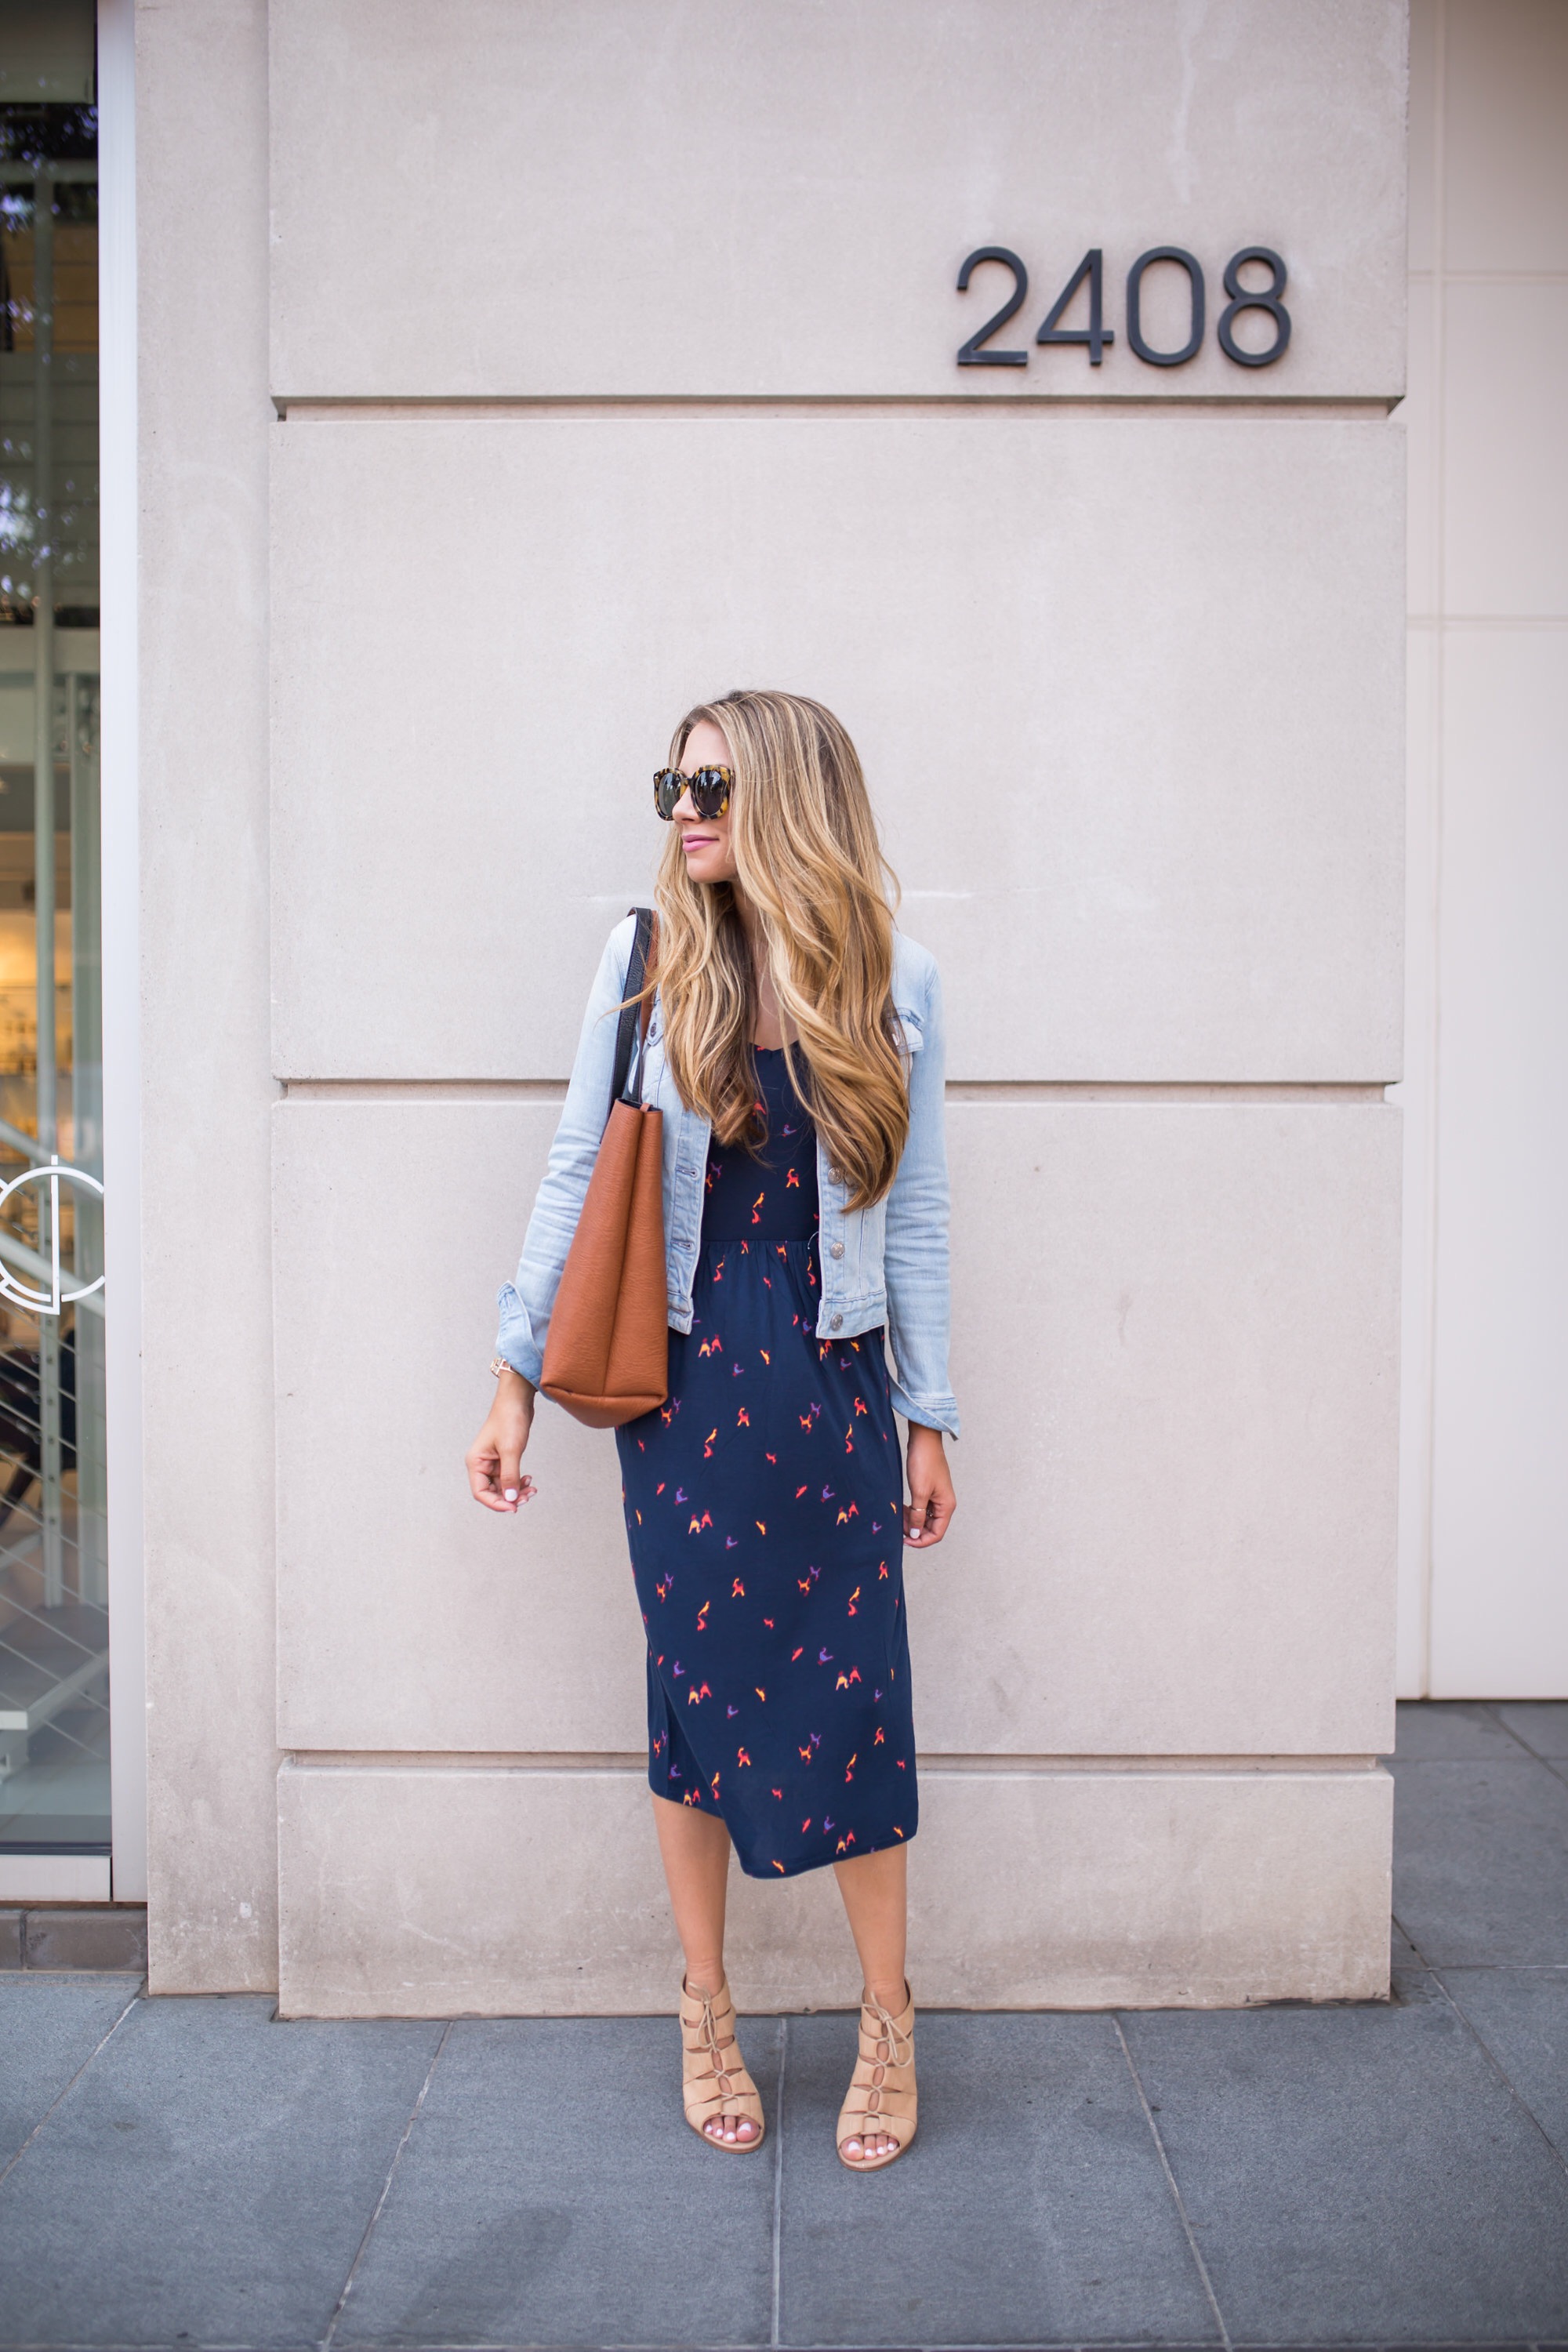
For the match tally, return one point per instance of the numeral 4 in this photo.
(1096, 335)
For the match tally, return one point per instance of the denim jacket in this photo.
(882, 1265)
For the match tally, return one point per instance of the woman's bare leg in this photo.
(695, 1849)
(875, 1887)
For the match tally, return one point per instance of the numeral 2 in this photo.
(1096, 335)
(971, 354)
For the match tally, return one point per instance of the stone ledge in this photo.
(433, 1893)
(109, 1937)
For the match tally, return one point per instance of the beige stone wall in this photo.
(207, 1089)
(613, 348)
(1484, 1598)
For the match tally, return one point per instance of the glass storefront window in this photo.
(54, 1622)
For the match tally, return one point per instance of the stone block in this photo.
(1420, 420)
(1505, 160)
(570, 155)
(11, 1939)
(425, 1890)
(1500, 1485)
(1174, 1351)
(1126, 690)
(1505, 487)
(198, 1239)
(1425, 17)
(111, 1937)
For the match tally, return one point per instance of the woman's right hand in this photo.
(494, 1460)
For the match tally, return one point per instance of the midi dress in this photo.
(764, 1508)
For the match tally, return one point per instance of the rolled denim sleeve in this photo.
(527, 1302)
(915, 1243)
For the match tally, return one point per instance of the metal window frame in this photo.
(121, 941)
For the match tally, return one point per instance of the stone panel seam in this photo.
(1168, 1090)
(1434, 622)
(358, 1090)
(448, 407)
(1489, 277)
(959, 1090)
(587, 1764)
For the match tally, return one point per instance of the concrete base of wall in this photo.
(93, 1936)
(1034, 1885)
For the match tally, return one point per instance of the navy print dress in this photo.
(763, 1511)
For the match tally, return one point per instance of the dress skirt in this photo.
(763, 1513)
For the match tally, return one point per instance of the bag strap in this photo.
(632, 1027)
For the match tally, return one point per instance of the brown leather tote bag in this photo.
(606, 1353)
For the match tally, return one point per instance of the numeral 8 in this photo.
(1266, 299)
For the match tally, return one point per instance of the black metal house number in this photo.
(1096, 334)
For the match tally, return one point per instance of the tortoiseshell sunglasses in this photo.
(709, 789)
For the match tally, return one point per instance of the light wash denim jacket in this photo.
(886, 1264)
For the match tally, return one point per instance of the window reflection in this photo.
(54, 1642)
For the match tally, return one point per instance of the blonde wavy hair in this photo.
(809, 861)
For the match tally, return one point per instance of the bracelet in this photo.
(499, 1365)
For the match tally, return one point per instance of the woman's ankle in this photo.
(703, 1979)
(893, 1994)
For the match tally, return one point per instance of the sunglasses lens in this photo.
(710, 791)
(667, 787)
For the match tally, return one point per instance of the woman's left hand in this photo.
(932, 1502)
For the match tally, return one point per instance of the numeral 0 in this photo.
(1136, 306)
(1096, 335)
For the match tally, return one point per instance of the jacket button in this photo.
(837, 1324)
(837, 1251)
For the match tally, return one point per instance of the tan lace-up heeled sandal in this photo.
(713, 2077)
(883, 2087)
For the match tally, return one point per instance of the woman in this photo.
(794, 1046)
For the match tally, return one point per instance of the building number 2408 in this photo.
(1096, 334)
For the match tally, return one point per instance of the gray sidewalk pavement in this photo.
(189, 2173)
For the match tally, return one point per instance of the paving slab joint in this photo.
(360, 2251)
(1172, 2185)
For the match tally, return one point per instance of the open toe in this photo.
(882, 2099)
(716, 2090)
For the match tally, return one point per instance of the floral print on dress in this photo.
(763, 1512)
